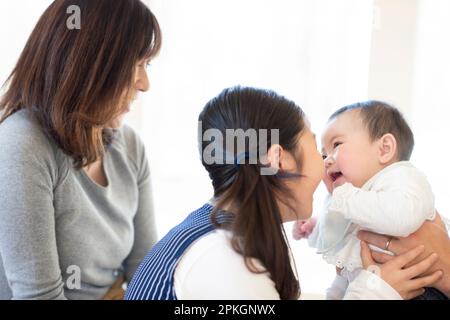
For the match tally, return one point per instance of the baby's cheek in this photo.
(352, 167)
(345, 161)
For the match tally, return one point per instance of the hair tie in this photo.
(242, 156)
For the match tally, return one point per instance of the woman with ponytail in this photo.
(234, 247)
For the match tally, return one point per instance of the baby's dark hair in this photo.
(381, 118)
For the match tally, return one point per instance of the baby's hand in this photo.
(303, 228)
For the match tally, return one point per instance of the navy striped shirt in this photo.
(154, 279)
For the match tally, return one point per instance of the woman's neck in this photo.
(96, 172)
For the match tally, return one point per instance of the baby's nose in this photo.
(329, 160)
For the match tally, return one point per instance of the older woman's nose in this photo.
(142, 82)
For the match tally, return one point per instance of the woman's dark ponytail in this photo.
(257, 225)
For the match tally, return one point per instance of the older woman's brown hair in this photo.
(74, 80)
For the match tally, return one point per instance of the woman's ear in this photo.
(274, 155)
(387, 148)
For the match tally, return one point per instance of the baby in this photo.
(372, 186)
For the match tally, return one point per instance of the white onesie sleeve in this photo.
(398, 201)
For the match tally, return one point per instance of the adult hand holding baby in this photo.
(407, 281)
(433, 236)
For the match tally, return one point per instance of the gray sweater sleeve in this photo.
(145, 235)
(28, 247)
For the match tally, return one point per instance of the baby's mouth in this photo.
(335, 175)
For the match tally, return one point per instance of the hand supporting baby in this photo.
(432, 235)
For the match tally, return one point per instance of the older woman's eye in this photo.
(144, 64)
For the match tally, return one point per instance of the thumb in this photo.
(366, 255)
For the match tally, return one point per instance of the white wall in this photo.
(410, 68)
(431, 97)
(393, 52)
(17, 20)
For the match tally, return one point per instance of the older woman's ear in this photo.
(387, 149)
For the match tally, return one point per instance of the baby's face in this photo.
(350, 155)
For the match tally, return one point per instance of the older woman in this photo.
(76, 208)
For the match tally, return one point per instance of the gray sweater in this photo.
(56, 223)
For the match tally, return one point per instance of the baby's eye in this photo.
(336, 144)
(324, 156)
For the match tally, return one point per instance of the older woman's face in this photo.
(140, 83)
